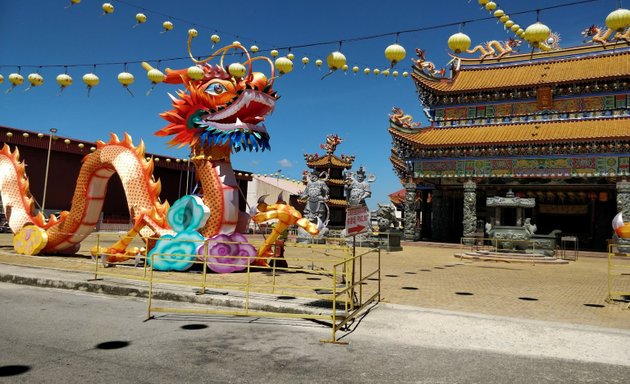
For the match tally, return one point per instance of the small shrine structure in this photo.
(331, 167)
(551, 124)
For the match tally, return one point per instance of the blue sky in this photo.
(44, 33)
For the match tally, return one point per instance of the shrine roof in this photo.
(330, 160)
(523, 133)
(526, 70)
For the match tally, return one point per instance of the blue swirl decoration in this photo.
(175, 253)
(189, 213)
(178, 253)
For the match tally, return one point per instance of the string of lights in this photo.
(335, 60)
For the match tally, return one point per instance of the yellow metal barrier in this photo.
(618, 274)
(327, 269)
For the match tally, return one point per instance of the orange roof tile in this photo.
(533, 132)
(562, 70)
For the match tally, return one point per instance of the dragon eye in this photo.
(216, 89)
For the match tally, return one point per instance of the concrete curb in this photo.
(133, 288)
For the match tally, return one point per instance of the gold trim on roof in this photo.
(563, 70)
(520, 133)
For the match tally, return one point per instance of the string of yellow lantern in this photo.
(335, 61)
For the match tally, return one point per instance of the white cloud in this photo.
(285, 163)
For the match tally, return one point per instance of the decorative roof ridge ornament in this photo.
(403, 122)
(427, 67)
(617, 23)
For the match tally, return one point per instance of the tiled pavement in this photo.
(428, 275)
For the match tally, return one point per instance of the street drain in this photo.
(524, 298)
(113, 345)
(192, 327)
(464, 293)
(594, 305)
(410, 288)
(13, 370)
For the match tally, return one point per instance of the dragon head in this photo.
(220, 112)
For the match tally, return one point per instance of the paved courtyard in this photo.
(428, 275)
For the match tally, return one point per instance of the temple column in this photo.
(470, 209)
(410, 212)
(623, 205)
(623, 198)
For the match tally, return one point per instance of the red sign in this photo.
(357, 220)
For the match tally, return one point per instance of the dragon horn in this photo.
(262, 206)
(280, 199)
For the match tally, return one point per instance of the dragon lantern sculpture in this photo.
(221, 111)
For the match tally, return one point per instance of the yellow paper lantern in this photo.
(509, 24)
(504, 19)
(25, 135)
(290, 56)
(81, 145)
(305, 60)
(376, 71)
(336, 60)
(254, 48)
(64, 80)
(498, 13)
(344, 67)
(9, 134)
(141, 18)
(126, 79)
(483, 2)
(283, 65)
(66, 141)
(385, 73)
(319, 63)
(367, 71)
(91, 80)
(537, 33)
(107, 8)
(459, 42)
(515, 28)
(215, 39)
(274, 53)
(40, 135)
(73, 2)
(236, 42)
(192, 32)
(520, 32)
(618, 19)
(395, 53)
(1, 79)
(167, 25)
(491, 6)
(395, 73)
(16, 79)
(195, 72)
(237, 69)
(405, 74)
(155, 75)
(35, 79)
(355, 69)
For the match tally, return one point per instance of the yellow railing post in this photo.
(247, 288)
(610, 255)
(205, 267)
(150, 287)
(97, 256)
(334, 304)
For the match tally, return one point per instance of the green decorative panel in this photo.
(549, 166)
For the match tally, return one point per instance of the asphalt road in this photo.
(55, 336)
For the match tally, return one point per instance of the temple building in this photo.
(551, 125)
(330, 167)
